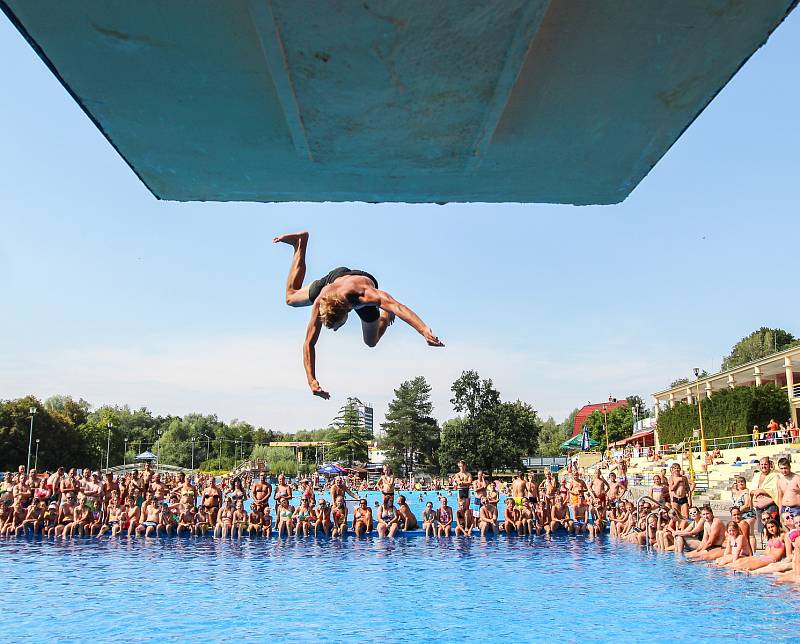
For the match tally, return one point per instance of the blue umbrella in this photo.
(331, 468)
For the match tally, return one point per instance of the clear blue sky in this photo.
(110, 295)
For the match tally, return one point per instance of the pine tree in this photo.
(348, 436)
(412, 435)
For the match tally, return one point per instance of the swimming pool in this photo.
(411, 589)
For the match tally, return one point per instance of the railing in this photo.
(726, 442)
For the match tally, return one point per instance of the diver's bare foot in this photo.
(293, 239)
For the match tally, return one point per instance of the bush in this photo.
(728, 412)
(214, 464)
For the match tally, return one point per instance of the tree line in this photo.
(488, 433)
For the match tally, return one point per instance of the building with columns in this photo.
(782, 369)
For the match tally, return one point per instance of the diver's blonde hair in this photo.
(332, 309)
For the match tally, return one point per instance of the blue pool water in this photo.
(411, 589)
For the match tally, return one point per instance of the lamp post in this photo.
(241, 448)
(125, 453)
(158, 451)
(635, 410)
(192, 453)
(36, 458)
(605, 427)
(235, 451)
(700, 410)
(108, 442)
(220, 453)
(32, 412)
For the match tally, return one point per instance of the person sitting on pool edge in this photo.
(407, 519)
(333, 296)
(710, 546)
(362, 518)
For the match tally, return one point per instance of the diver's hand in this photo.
(431, 339)
(318, 391)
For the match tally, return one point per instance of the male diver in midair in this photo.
(332, 297)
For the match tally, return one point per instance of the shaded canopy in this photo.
(575, 443)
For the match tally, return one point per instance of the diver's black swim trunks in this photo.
(366, 313)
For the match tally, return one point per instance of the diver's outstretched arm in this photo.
(388, 303)
(310, 354)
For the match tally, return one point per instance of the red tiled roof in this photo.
(587, 410)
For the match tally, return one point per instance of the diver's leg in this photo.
(373, 330)
(296, 294)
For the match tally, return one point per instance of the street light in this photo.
(108, 442)
(192, 453)
(635, 410)
(32, 412)
(36, 458)
(235, 450)
(125, 454)
(700, 411)
(158, 451)
(605, 427)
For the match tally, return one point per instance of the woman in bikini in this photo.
(284, 514)
(429, 520)
(302, 518)
(388, 519)
(339, 519)
(774, 550)
(225, 520)
(792, 542)
(659, 491)
(444, 518)
(737, 546)
(211, 500)
(282, 491)
(362, 518)
(323, 521)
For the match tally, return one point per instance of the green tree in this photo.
(477, 401)
(412, 435)
(489, 434)
(348, 435)
(759, 344)
(620, 425)
(516, 436)
(279, 460)
(727, 412)
(60, 442)
(551, 435)
(684, 381)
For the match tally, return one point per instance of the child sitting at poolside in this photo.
(429, 520)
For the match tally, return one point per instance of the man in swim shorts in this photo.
(332, 297)
(764, 489)
(788, 488)
(679, 491)
(463, 480)
(710, 547)
(519, 489)
(479, 485)
(386, 483)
